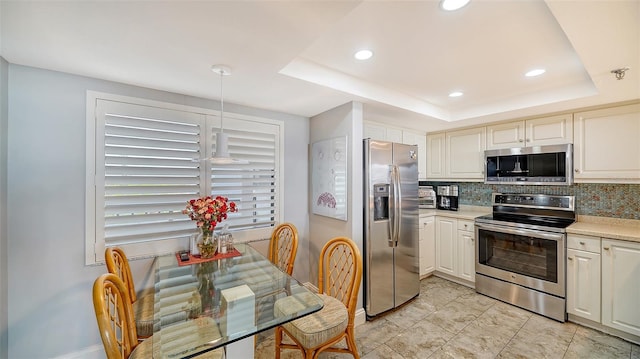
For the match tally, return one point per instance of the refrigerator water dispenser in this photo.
(380, 202)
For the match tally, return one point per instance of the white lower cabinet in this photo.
(446, 248)
(455, 248)
(427, 235)
(466, 251)
(583, 277)
(603, 282)
(621, 285)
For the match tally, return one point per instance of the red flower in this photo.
(208, 212)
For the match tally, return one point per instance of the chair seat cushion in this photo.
(179, 339)
(143, 312)
(316, 328)
(143, 309)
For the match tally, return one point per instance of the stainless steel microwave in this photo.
(536, 165)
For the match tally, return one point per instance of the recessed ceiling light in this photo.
(456, 94)
(363, 54)
(451, 5)
(535, 72)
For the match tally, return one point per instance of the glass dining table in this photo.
(201, 307)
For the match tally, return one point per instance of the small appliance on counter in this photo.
(426, 197)
(447, 197)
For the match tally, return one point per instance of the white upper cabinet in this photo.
(464, 153)
(412, 138)
(380, 132)
(607, 145)
(550, 130)
(456, 155)
(374, 132)
(394, 135)
(435, 156)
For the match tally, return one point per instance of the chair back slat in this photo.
(118, 264)
(114, 315)
(283, 247)
(340, 271)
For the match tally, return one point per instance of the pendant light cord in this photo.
(221, 103)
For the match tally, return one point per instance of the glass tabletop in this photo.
(204, 306)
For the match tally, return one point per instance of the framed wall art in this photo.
(329, 178)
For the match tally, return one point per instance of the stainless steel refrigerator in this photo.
(391, 263)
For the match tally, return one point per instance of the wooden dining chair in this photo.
(339, 278)
(116, 322)
(118, 264)
(283, 247)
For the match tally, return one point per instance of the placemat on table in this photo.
(196, 260)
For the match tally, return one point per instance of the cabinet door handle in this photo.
(577, 170)
(605, 248)
(570, 258)
(581, 243)
(520, 140)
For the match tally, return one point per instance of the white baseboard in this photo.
(92, 352)
(361, 317)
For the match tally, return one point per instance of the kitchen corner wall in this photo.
(4, 273)
(345, 120)
(592, 199)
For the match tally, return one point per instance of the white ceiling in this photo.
(296, 56)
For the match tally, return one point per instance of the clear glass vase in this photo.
(207, 245)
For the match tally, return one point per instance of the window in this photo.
(146, 159)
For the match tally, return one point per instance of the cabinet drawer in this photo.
(465, 225)
(585, 243)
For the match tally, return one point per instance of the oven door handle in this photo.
(523, 232)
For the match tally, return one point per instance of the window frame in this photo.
(95, 244)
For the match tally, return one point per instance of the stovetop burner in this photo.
(531, 220)
(551, 212)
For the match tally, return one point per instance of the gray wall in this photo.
(4, 120)
(50, 311)
(345, 120)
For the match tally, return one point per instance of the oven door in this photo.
(531, 258)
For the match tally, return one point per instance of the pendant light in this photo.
(222, 156)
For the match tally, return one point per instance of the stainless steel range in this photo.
(521, 251)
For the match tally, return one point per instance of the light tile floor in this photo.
(448, 320)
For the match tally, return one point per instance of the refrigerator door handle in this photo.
(392, 208)
(398, 206)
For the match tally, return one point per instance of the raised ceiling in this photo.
(297, 56)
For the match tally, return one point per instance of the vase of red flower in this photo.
(208, 212)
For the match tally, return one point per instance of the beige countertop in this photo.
(464, 212)
(606, 227)
(614, 228)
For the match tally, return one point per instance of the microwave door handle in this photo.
(523, 232)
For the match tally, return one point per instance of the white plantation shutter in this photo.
(148, 164)
(252, 186)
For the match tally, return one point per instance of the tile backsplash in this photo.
(592, 199)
